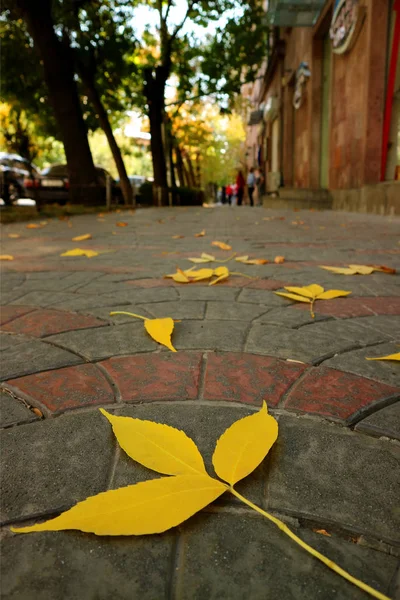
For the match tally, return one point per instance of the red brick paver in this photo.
(356, 307)
(335, 394)
(156, 376)
(8, 313)
(66, 388)
(249, 378)
(44, 322)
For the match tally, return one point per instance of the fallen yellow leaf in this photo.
(159, 329)
(395, 356)
(204, 258)
(177, 237)
(311, 293)
(80, 252)
(322, 532)
(251, 261)
(32, 226)
(82, 238)
(121, 223)
(6, 257)
(201, 234)
(358, 269)
(279, 260)
(221, 273)
(14, 235)
(43, 223)
(221, 245)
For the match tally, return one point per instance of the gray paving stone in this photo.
(12, 411)
(9, 340)
(99, 343)
(354, 362)
(354, 329)
(183, 309)
(104, 313)
(71, 565)
(80, 302)
(207, 292)
(234, 311)
(266, 297)
(388, 325)
(210, 335)
(232, 557)
(290, 317)
(331, 475)
(40, 298)
(384, 422)
(204, 424)
(10, 297)
(33, 356)
(50, 465)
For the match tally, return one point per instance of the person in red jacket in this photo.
(240, 183)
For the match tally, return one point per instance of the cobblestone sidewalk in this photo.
(335, 466)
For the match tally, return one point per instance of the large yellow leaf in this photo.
(80, 252)
(395, 356)
(82, 238)
(157, 446)
(200, 275)
(147, 507)
(222, 245)
(161, 330)
(312, 291)
(243, 446)
(293, 297)
(330, 294)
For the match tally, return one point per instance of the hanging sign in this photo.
(347, 20)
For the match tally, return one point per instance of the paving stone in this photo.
(9, 313)
(103, 342)
(104, 313)
(265, 297)
(183, 309)
(232, 557)
(267, 284)
(10, 297)
(74, 565)
(356, 307)
(330, 475)
(288, 317)
(204, 424)
(49, 465)
(12, 411)
(384, 324)
(39, 298)
(197, 291)
(338, 395)
(210, 335)
(156, 376)
(8, 340)
(384, 422)
(234, 311)
(26, 357)
(355, 362)
(67, 388)
(248, 378)
(42, 323)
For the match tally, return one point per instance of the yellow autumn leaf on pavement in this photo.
(159, 329)
(200, 274)
(6, 257)
(148, 507)
(14, 235)
(204, 258)
(221, 273)
(80, 252)
(221, 245)
(32, 226)
(395, 356)
(251, 261)
(243, 446)
(279, 260)
(82, 238)
(358, 269)
(177, 237)
(121, 224)
(201, 234)
(311, 293)
(156, 446)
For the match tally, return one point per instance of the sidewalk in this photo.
(335, 466)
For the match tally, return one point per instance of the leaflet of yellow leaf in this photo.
(82, 238)
(161, 330)
(395, 356)
(157, 446)
(252, 261)
(177, 237)
(293, 297)
(310, 291)
(145, 508)
(14, 235)
(243, 446)
(6, 257)
(201, 234)
(221, 273)
(200, 275)
(331, 294)
(221, 245)
(80, 252)
(204, 258)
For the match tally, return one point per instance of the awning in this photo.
(255, 117)
(294, 13)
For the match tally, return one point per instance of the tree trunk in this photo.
(180, 167)
(59, 76)
(192, 178)
(104, 121)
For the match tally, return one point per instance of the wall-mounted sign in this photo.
(347, 20)
(303, 73)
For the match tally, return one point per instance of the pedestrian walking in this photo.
(251, 184)
(229, 193)
(240, 188)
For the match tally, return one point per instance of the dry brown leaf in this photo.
(82, 238)
(121, 224)
(221, 245)
(322, 532)
(279, 260)
(37, 412)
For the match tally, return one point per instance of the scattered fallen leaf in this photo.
(311, 293)
(384, 269)
(201, 234)
(395, 356)
(6, 257)
(251, 261)
(101, 220)
(37, 412)
(221, 245)
(159, 329)
(156, 505)
(279, 260)
(14, 235)
(177, 237)
(80, 252)
(32, 226)
(359, 269)
(204, 258)
(43, 223)
(221, 273)
(322, 532)
(121, 224)
(100, 214)
(82, 238)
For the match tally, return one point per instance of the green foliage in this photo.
(137, 161)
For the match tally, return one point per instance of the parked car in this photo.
(14, 170)
(52, 184)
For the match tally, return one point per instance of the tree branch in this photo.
(191, 4)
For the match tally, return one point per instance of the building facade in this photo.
(325, 117)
